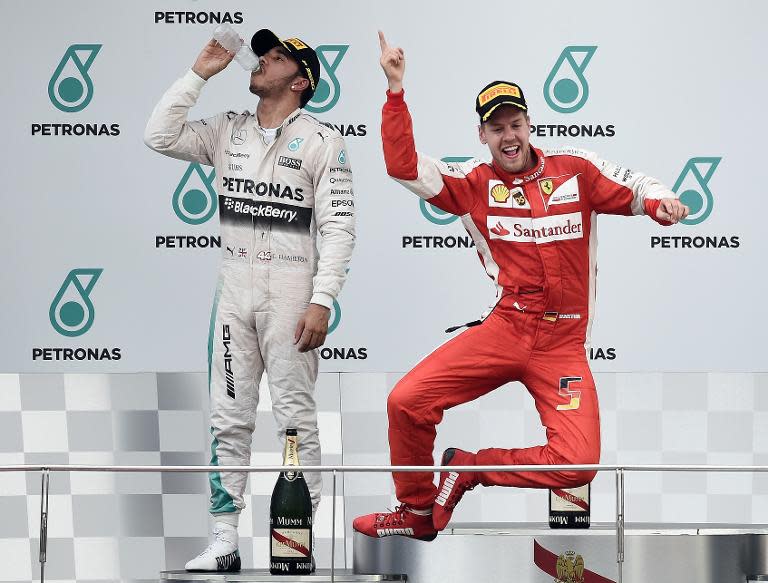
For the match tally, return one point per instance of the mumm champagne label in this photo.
(290, 542)
(291, 455)
(573, 499)
(569, 508)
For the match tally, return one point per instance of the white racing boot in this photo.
(221, 555)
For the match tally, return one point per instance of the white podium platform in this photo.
(534, 553)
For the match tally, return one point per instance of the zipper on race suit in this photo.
(468, 325)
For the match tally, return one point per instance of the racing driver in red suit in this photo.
(530, 213)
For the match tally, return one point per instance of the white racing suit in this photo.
(273, 200)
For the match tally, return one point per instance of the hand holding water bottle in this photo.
(213, 59)
(225, 45)
(230, 40)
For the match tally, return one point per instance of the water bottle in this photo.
(230, 40)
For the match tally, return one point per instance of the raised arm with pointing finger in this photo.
(531, 214)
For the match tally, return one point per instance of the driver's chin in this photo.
(254, 87)
(506, 165)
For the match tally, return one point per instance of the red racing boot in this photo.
(452, 485)
(402, 521)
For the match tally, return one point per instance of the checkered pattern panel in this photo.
(127, 527)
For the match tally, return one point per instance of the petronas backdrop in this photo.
(111, 254)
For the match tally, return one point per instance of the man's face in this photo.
(277, 73)
(506, 133)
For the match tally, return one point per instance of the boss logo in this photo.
(292, 163)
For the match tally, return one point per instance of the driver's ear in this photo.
(300, 84)
(481, 134)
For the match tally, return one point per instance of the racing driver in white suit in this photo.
(282, 177)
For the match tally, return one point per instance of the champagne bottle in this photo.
(569, 508)
(290, 517)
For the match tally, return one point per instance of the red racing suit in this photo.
(535, 236)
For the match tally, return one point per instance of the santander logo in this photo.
(499, 230)
(536, 229)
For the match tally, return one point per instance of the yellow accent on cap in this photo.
(309, 74)
(496, 90)
(490, 111)
(296, 43)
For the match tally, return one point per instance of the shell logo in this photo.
(500, 193)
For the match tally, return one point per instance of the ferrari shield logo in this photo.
(546, 186)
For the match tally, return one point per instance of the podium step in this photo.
(264, 576)
(534, 553)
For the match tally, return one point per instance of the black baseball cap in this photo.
(265, 40)
(498, 93)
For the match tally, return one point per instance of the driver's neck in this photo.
(271, 112)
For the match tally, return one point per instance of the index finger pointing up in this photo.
(382, 41)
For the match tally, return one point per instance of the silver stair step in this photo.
(264, 576)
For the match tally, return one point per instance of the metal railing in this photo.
(619, 471)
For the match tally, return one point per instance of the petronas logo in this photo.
(566, 89)
(194, 200)
(335, 317)
(692, 186)
(328, 88)
(72, 311)
(71, 88)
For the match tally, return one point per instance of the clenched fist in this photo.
(671, 210)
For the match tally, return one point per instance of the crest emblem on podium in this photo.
(570, 568)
